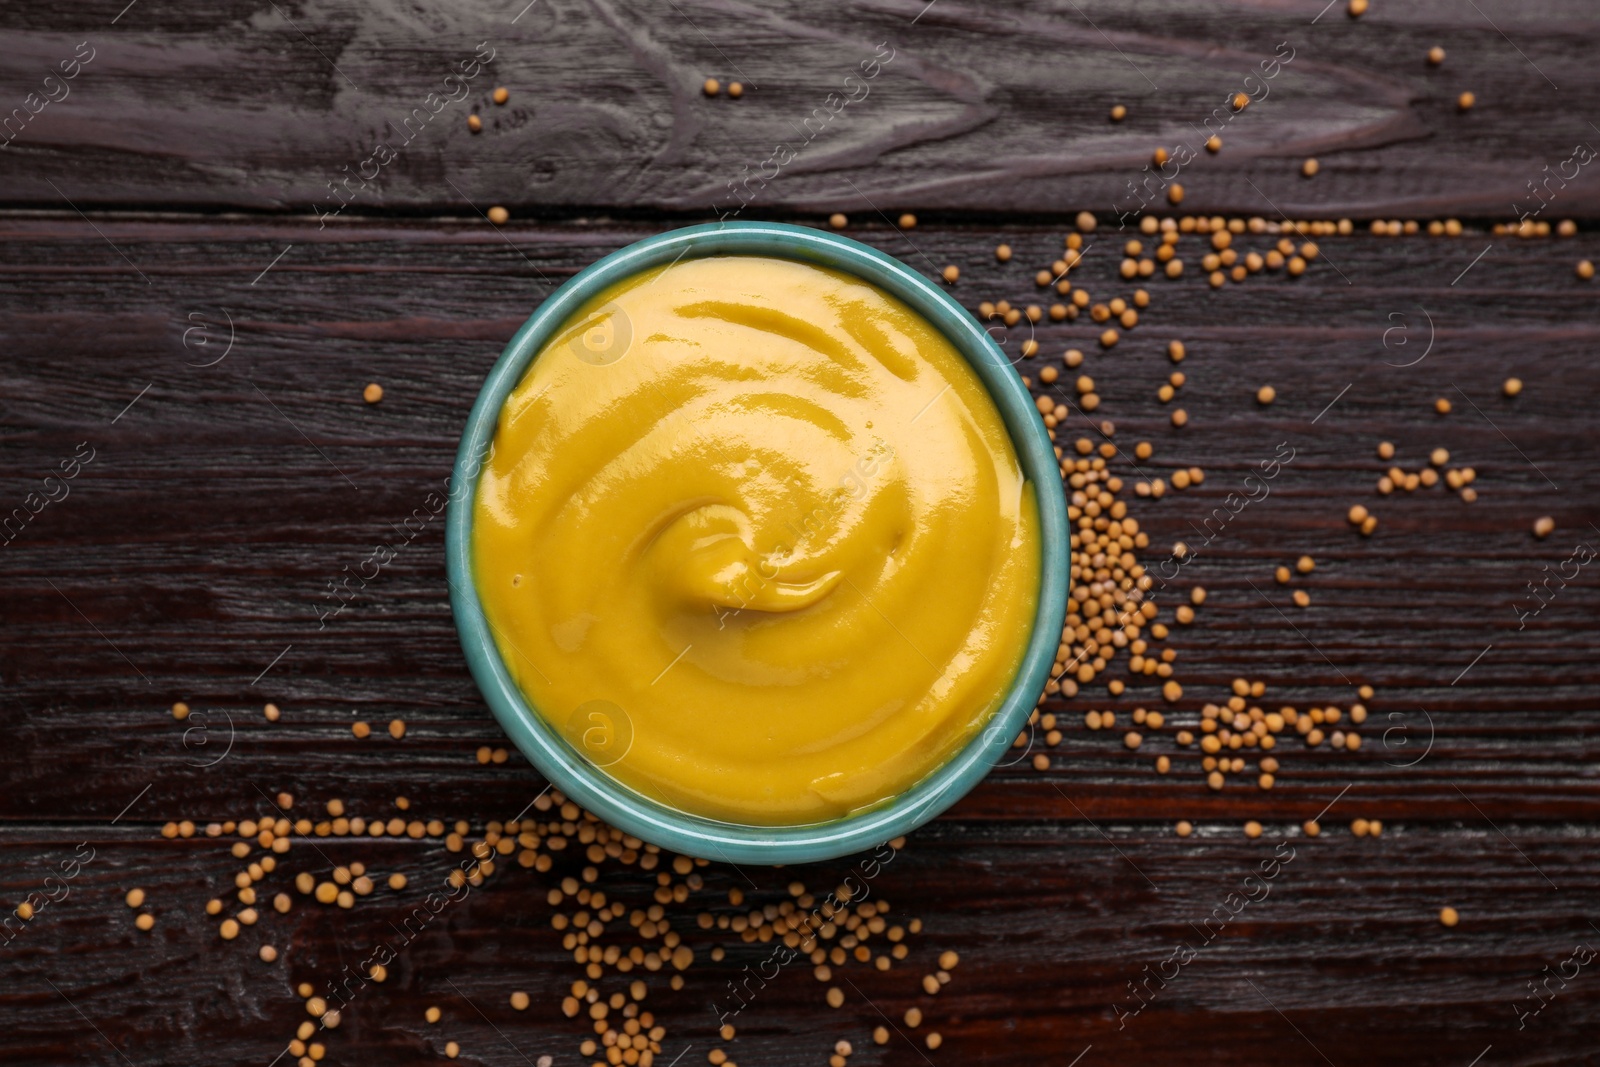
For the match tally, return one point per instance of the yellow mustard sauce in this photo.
(754, 538)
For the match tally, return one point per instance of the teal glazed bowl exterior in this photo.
(588, 785)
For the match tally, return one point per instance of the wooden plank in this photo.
(961, 109)
(229, 496)
(1051, 921)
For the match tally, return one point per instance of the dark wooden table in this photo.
(186, 326)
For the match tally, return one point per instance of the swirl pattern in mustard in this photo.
(754, 538)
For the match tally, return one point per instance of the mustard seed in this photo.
(735, 90)
(934, 1040)
(1585, 269)
(1118, 113)
(1357, 8)
(499, 215)
(1309, 168)
(1465, 101)
(1544, 527)
(1003, 253)
(397, 728)
(1213, 144)
(838, 220)
(1305, 565)
(1449, 916)
(712, 87)
(1252, 829)
(474, 123)
(519, 1000)
(432, 1015)
(880, 1035)
(1435, 56)
(908, 221)
(913, 1017)
(145, 921)
(361, 729)
(229, 929)
(135, 898)
(1302, 598)
(1312, 828)
(1174, 195)
(452, 1049)
(1512, 386)
(1185, 828)
(835, 997)
(1266, 394)
(271, 710)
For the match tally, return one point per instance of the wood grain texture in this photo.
(197, 546)
(171, 304)
(261, 107)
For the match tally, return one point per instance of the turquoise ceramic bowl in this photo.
(591, 786)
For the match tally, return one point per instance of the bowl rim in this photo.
(610, 799)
